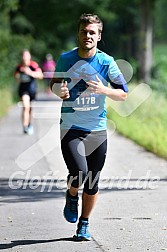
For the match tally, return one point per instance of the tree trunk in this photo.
(146, 40)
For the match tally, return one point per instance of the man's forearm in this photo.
(116, 94)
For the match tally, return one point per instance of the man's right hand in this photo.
(64, 92)
(59, 87)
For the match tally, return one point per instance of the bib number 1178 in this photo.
(86, 100)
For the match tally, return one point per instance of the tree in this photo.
(145, 52)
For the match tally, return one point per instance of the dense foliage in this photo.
(51, 26)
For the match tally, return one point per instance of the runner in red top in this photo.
(26, 74)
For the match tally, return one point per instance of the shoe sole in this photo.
(75, 238)
(68, 220)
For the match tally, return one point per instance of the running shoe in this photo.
(82, 233)
(30, 130)
(71, 209)
(25, 130)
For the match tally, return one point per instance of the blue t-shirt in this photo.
(86, 110)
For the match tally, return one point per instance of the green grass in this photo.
(6, 101)
(146, 125)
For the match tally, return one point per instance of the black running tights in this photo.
(84, 154)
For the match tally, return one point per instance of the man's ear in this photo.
(99, 38)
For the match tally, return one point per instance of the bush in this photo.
(10, 47)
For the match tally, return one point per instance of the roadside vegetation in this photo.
(147, 124)
(5, 102)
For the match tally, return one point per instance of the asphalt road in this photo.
(131, 211)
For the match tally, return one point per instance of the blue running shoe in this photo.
(30, 130)
(71, 209)
(82, 233)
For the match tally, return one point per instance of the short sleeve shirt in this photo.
(86, 110)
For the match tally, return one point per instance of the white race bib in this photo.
(86, 101)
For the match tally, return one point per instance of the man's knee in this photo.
(76, 180)
(91, 183)
(91, 191)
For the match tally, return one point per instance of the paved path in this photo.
(131, 212)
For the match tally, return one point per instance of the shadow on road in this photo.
(30, 242)
(22, 190)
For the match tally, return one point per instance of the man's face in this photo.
(88, 36)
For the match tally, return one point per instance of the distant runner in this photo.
(25, 74)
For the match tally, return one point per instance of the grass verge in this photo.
(6, 101)
(146, 125)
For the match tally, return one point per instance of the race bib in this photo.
(86, 101)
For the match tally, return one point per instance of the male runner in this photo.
(81, 80)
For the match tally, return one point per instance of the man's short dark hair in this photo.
(90, 19)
